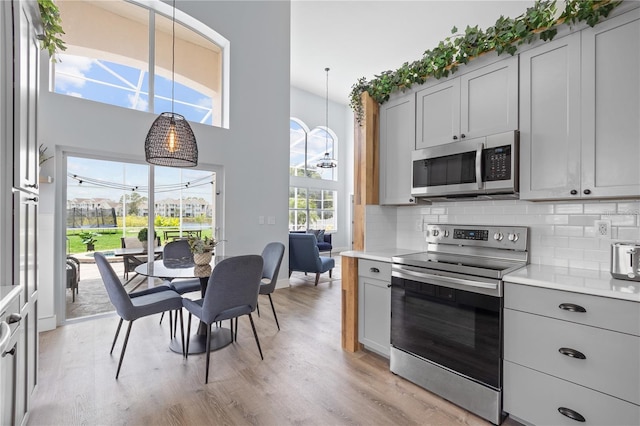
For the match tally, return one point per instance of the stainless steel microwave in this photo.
(486, 166)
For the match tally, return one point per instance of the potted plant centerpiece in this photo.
(143, 236)
(89, 239)
(202, 249)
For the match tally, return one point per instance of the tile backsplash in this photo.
(560, 233)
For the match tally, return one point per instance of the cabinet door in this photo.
(611, 107)
(25, 145)
(550, 120)
(397, 141)
(25, 273)
(489, 99)
(438, 114)
(374, 305)
(25, 228)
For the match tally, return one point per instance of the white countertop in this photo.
(598, 283)
(584, 281)
(382, 255)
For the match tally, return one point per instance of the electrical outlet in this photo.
(602, 228)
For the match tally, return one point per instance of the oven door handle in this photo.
(426, 278)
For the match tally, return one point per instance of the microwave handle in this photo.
(479, 164)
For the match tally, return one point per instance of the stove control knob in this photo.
(498, 236)
(446, 233)
(513, 237)
(435, 233)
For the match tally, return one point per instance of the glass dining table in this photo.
(175, 269)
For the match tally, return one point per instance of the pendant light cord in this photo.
(173, 55)
(326, 131)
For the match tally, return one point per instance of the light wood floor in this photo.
(305, 378)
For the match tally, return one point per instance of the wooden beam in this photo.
(350, 304)
(366, 167)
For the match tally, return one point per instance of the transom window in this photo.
(120, 53)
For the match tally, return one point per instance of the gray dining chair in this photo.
(130, 307)
(232, 291)
(272, 257)
(178, 254)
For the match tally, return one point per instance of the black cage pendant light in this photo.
(170, 141)
(327, 162)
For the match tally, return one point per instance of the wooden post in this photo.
(366, 168)
(350, 304)
(366, 191)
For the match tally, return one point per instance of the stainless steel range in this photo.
(446, 313)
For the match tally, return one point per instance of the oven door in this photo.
(457, 329)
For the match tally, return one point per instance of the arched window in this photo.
(120, 53)
(312, 190)
(307, 148)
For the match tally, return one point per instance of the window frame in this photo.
(189, 22)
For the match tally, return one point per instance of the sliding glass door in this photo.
(107, 208)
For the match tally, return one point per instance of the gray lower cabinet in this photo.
(11, 358)
(579, 109)
(374, 305)
(570, 357)
(397, 141)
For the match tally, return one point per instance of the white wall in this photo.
(253, 152)
(311, 109)
(560, 233)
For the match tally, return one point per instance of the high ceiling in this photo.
(362, 38)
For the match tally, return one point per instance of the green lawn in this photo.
(109, 239)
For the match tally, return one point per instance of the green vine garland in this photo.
(504, 37)
(52, 23)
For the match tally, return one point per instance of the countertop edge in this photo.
(382, 255)
(576, 280)
(8, 293)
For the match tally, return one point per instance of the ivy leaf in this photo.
(454, 30)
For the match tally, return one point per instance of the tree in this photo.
(133, 200)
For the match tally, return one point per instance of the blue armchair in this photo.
(323, 239)
(305, 257)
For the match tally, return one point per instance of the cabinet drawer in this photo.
(374, 269)
(603, 312)
(12, 308)
(535, 398)
(611, 359)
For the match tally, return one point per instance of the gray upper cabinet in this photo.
(397, 139)
(579, 109)
(438, 114)
(478, 103)
(25, 75)
(611, 107)
(550, 119)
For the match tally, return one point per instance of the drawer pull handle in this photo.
(574, 415)
(13, 318)
(572, 353)
(376, 270)
(11, 351)
(571, 307)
